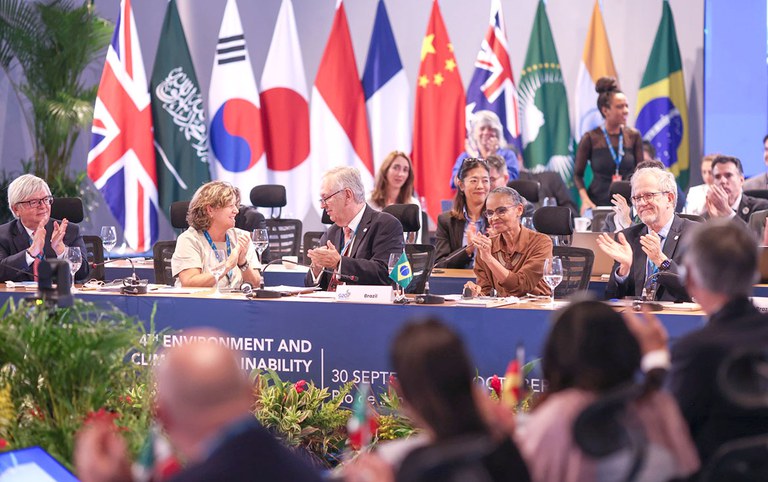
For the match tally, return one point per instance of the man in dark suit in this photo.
(33, 234)
(720, 263)
(359, 242)
(652, 247)
(725, 197)
(203, 402)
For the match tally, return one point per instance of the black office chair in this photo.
(556, 222)
(692, 217)
(743, 379)
(178, 213)
(422, 260)
(162, 252)
(577, 269)
(284, 234)
(761, 193)
(95, 254)
(528, 189)
(70, 208)
(622, 187)
(408, 214)
(311, 240)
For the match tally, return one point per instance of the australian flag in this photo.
(121, 161)
(493, 86)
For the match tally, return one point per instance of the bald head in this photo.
(200, 390)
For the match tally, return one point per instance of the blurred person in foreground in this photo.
(511, 262)
(394, 185)
(361, 239)
(590, 353)
(720, 268)
(452, 246)
(33, 235)
(203, 402)
(485, 137)
(435, 379)
(211, 218)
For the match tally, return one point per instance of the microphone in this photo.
(443, 262)
(650, 286)
(132, 285)
(428, 299)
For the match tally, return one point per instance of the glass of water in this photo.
(553, 275)
(75, 259)
(108, 238)
(260, 238)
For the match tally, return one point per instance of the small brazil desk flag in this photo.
(401, 272)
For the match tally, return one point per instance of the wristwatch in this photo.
(664, 266)
(243, 266)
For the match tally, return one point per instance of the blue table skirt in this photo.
(333, 342)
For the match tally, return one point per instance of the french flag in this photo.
(236, 136)
(284, 103)
(387, 95)
(339, 127)
(493, 86)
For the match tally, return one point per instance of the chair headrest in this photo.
(621, 187)
(67, 207)
(325, 219)
(528, 189)
(179, 214)
(553, 220)
(269, 196)
(407, 214)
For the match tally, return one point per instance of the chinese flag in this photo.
(438, 132)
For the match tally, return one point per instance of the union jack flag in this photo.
(493, 85)
(121, 161)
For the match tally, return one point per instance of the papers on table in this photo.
(489, 302)
(286, 290)
(27, 285)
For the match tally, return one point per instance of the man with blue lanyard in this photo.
(356, 248)
(644, 250)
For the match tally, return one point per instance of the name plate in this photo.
(761, 303)
(364, 293)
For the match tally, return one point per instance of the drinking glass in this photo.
(549, 201)
(216, 263)
(260, 238)
(553, 275)
(108, 238)
(75, 259)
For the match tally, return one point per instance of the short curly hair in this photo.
(214, 194)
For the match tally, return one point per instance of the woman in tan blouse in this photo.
(512, 260)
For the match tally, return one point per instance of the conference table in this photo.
(332, 342)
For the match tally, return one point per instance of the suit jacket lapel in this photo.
(20, 237)
(670, 244)
(362, 230)
(640, 260)
(458, 233)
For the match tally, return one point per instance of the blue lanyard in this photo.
(616, 158)
(213, 247)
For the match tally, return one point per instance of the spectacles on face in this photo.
(474, 181)
(33, 203)
(324, 200)
(647, 197)
(500, 211)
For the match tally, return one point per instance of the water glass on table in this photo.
(553, 275)
(108, 239)
(75, 259)
(260, 238)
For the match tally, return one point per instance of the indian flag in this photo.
(596, 62)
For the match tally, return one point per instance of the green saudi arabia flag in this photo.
(546, 124)
(662, 111)
(178, 116)
(401, 273)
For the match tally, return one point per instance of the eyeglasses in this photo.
(500, 211)
(33, 203)
(324, 200)
(647, 197)
(474, 181)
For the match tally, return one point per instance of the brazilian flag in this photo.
(401, 272)
(662, 110)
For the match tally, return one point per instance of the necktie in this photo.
(652, 268)
(345, 249)
(36, 262)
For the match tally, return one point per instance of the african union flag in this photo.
(662, 110)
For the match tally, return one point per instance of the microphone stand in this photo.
(647, 299)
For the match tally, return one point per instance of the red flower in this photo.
(3, 444)
(496, 385)
(37, 413)
(392, 380)
(300, 386)
(102, 415)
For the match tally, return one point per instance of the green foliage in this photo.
(303, 415)
(64, 366)
(51, 43)
(392, 423)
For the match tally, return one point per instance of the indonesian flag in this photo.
(438, 133)
(284, 103)
(339, 127)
